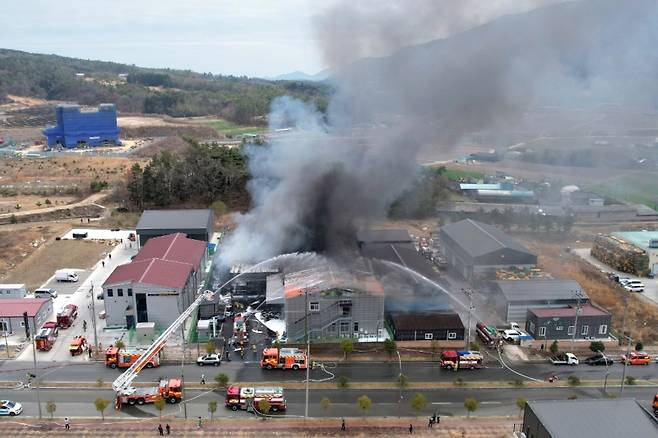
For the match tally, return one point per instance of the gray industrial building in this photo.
(340, 305)
(474, 249)
(559, 323)
(513, 298)
(432, 326)
(157, 285)
(598, 418)
(196, 224)
(395, 246)
(11, 314)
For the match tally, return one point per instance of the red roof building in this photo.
(12, 309)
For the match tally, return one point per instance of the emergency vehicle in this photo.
(77, 345)
(125, 357)
(66, 317)
(246, 398)
(454, 360)
(284, 358)
(170, 390)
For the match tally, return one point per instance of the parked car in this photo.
(209, 359)
(45, 293)
(12, 408)
(511, 335)
(634, 286)
(624, 280)
(599, 359)
(636, 358)
(100, 296)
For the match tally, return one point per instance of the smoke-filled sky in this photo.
(243, 37)
(312, 189)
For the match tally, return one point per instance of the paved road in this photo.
(79, 403)
(249, 371)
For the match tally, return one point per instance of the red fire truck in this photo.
(240, 331)
(246, 398)
(454, 360)
(124, 358)
(170, 390)
(284, 358)
(66, 317)
(45, 339)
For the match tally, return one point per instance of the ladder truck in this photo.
(170, 390)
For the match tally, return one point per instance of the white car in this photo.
(634, 286)
(209, 359)
(624, 280)
(511, 335)
(12, 408)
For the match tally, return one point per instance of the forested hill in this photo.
(177, 93)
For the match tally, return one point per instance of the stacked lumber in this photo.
(621, 255)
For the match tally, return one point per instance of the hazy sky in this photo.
(244, 37)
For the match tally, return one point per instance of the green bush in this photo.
(639, 346)
(343, 382)
(630, 380)
(597, 346)
(554, 347)
(573, 380)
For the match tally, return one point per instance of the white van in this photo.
(45, 293)
(66, 275)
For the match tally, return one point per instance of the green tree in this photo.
(573, 380)
(520, 403)
(325, 402)
(364, 403)
(222, 380)
(135, 185)
(597, 346)
(418, 402)
(210, 347)
(218, 207)
(119, 344)
(212, 408)
(51, 407)
(639, 346)
(554, 347)
(343, 382)
(159, 404)
(390, 346)
(471, 405)
(12, 219)
(402, 381)
(101, 404)
(347, 345)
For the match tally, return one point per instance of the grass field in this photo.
(457, 174)
(639, 190)
(230, 129)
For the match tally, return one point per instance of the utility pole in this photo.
(399, 381)
(34, 356)
(623, 320)
(308, 353)
(623, 374)
(182, 365)
(93, 317)
(575, 324)
(469, 294)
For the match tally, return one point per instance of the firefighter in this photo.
(84, 326)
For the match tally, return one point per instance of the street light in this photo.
(623, 374)
(399, 381)
(469, 294)
(578, 295)
(607, 370)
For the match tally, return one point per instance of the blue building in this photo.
(83, 128)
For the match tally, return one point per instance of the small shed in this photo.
(426, 326)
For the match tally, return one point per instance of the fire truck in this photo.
(454, 360)
(124, 358)
(170, 390)
(246, 398)
(488, 334)
(240, 332)
(284, 358)
(45, 339)
(66, 317)
(77, 345)
(655, 405)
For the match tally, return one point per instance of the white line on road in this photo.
(491, 403)
(442, 403)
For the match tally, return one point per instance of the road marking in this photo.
(442, 403)
(491, 403)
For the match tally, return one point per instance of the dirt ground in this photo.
(38, 267)
(554, 258)
(29, 202)
(135, 121)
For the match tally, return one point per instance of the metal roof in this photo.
(599, 418)
(16, 307)
(175, 219)
(153, 271)
(520, 290)
(401, 254)
(478, 239)
(586, 310)
(383, 236)
(480, 186)
(638, 238)
(426, 321)
(174, 247)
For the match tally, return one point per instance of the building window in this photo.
(570, 330)
(4, 326)
(346, 311)
(603, 329)
(531, 327)
(344, 327)
(314, 306)
(109, 293)
(542, 331)
(559, 328)
(429, 336)
(584, 330)
(332, 327)
(452, 335)
(119, 292)
(130, 292)
(356, 327)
